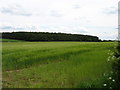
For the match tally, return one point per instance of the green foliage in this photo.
(111, 79)
(116, 67)
(46, 36)
(55, 64)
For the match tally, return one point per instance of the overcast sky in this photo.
(89, 17)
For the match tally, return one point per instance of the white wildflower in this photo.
(113, 80)
(110, 87)
(110, 77)
(104, 84)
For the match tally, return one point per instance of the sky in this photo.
(88, 17)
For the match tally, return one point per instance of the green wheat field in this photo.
(55, 64)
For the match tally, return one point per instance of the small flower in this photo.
(110, 77)
(104, 84)
(113, 80)
(110, 87)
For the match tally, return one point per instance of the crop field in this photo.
(10, 40)
(55, 64)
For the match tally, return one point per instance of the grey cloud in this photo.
(11, 28)
(79, 31)
(44, 27)
(15, 10)
(5, 27)
(83, 31)
(56, 13)
(17, 28)
(76, 6)
(110, 10)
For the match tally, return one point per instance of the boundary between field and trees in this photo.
(46, 36)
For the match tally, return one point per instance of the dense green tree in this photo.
(46, 36)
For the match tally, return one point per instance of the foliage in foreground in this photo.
(116, 67)
(112, 79)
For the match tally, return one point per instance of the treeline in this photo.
(46, 36)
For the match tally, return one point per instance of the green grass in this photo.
(55, 64)
(10, 40)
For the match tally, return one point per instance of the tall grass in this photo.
(55, 64)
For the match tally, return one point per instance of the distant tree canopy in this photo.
(46, 36)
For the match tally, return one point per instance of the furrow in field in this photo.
(69, 73)
(27, 61)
